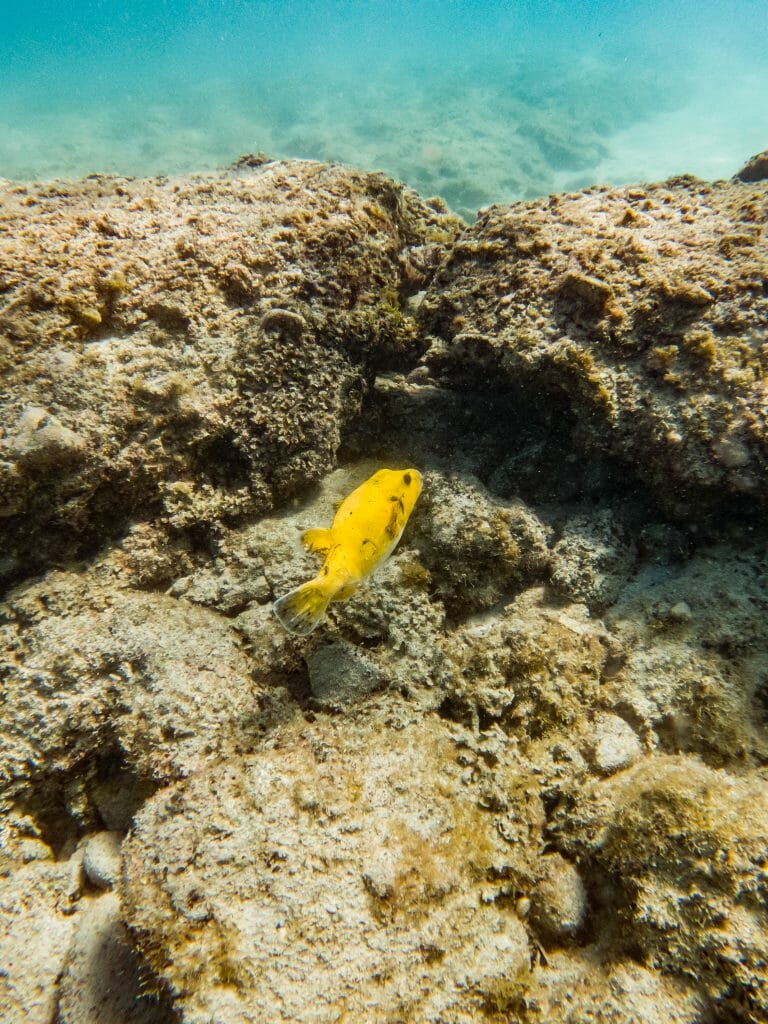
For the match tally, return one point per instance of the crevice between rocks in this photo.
(102, 792)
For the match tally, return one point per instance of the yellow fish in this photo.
(364, 533)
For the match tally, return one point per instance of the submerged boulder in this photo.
(755, 169)
(189, 350)
(348, 870)
(638, 313)
(679, 851)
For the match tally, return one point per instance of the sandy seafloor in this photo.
(478, 102)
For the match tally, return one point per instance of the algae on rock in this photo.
(639, 312)
(520, 774)
(191, 347)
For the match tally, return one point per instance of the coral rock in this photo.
(36, 928)
(645, 333)
(342, 870)
(684, 849)
(614, 745)
(204, 340)
(755, 169)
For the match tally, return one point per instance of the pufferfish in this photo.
(364, 533)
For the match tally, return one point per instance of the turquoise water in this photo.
(479, 102)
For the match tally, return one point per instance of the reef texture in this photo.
(190, 349)
(521, 774)
(640, 313)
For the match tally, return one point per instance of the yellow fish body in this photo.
(364, 533)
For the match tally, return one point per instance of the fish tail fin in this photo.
(300, 610)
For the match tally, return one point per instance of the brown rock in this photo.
(646, 332)
(755, 169)
(193, 347)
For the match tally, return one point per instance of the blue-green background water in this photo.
(477, 101)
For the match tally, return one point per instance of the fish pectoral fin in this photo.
(317, 539)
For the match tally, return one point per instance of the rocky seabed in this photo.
(522, 774)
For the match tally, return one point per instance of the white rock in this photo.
(614, 745)
(681, 612)
(30, 848)
(101, 862)
(40, 436)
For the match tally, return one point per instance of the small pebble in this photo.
(680, 612)
(523, 907)
(559, 900)
(614, 745)
(101, 862)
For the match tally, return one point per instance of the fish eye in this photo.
(407, 479)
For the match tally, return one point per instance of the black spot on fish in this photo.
(407, 479)
(399, 502)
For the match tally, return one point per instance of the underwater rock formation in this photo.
(344, 871)
(755, 169)
(191, 349)
(520, 774)
(638, 313)
(681, 851)
(97, 675)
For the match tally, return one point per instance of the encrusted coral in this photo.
(681, 853)
(191, 349)
(371, 872)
